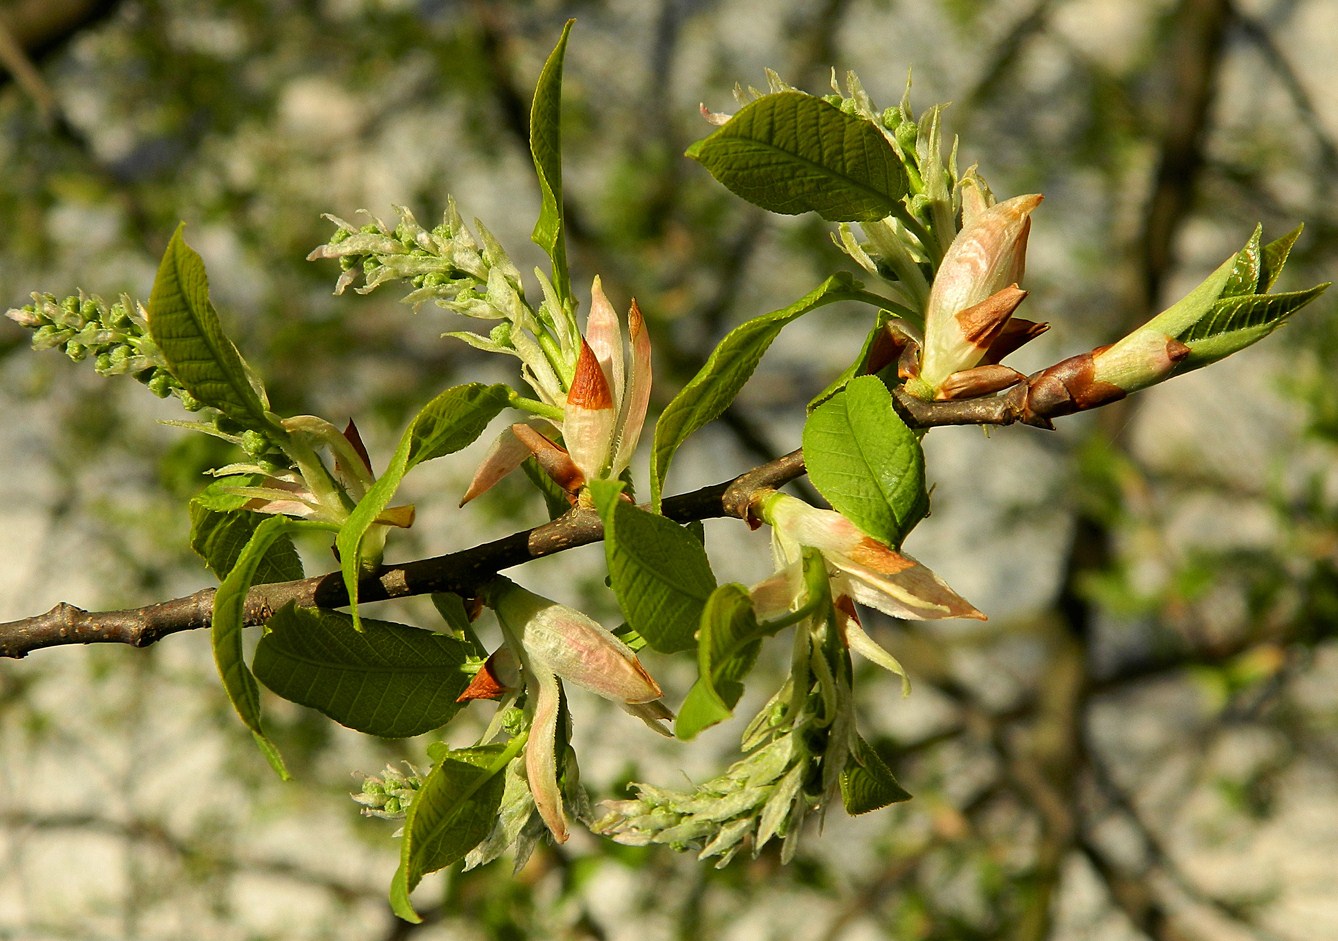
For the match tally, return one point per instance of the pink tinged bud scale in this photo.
(869, 571)
(637, 397)
(987, 256)
(604, 334)
(504, 455)
(541, 756)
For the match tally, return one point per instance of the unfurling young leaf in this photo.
(866, 462)
(546, 148)
(452, 812)
(658, 569)
(183, 323)
(790, 153)
(727, 648)
(448, 423)
(867, 783)
(220, 529)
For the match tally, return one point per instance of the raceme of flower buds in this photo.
(115, 336)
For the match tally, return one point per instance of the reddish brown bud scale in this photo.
(351, 435)
(981, 323)
(1067, 387)
(1015, 334)
(553, 458)
(982, 380)
(589, 387)
(484, 685)
(877, 557)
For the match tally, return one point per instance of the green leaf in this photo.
(183, 323)
(388, 680)
(1245, 273)
(658, 569)
(790, 153)
(1185, 312)
(546, 148)
(867, 783)
(451, 421)
(861, 363)
(452, 812)
(729, 366)
(228, 621)
(220, 529)
(1275, 256)
(727, 648)
(1234, 323)
(866, 462)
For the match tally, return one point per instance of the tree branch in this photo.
(464, 572)
(461, 572)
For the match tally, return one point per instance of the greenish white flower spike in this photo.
(471, 276)
(114, 336)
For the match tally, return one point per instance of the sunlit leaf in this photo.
(183, 323)
(452, 812)
(658, 570)
(866, 462)
(791, 153)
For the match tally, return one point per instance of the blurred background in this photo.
(1140, 742)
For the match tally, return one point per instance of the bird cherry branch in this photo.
(463, 572)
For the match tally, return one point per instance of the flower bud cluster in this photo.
(114, 336)
(471, 276)
(760, 797)
(389, 794)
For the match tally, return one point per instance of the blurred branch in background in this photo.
(1101, 761)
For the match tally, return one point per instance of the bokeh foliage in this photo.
(1152, 700)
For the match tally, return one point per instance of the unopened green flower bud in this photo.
(159, 383)
(892, 118)
(48, 336)
(254, 443)
(906, 135)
